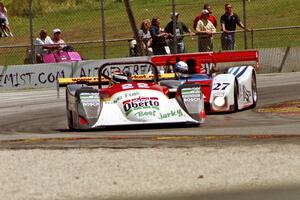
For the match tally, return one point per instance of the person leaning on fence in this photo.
(145, 36)
(211, 18)
(158, 37)
(229, 20)
(205, 29)
(43, 45)
(180, 29)
(4, 24)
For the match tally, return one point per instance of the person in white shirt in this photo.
(43, 45)
(205, 29)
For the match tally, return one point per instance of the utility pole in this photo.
(140, 48)
(245, 24)
(174, 26)
(32, 47)
(103, 28)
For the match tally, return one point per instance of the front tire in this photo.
(69, 113)
(70, 120)
(235, 106)
(254, 90)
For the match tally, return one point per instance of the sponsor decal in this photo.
(245, 94)
(191, 94)
(145, 113)
(92, 103)
(90, 99)
(172, 113)
(84, 79)
(140, 103)
(89, 96)
(193, 90)
(118, 97)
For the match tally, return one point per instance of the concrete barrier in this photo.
(45, 75)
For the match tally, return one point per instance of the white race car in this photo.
(122, 99)
(225, 92)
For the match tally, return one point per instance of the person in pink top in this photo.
(211, 17)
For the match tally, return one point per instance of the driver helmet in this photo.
(181, 67)
(121, 77)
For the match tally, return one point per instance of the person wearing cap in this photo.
(229, 20)
(43, 45)
(57, 38)
(205, 29)
(181, 28)
(211, 18)
(60, 43)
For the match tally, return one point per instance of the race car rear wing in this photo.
(209, 57)
(63, 82)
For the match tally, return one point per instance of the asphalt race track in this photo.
(253, 154)
(38, 115)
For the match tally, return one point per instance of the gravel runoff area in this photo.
(225, 172)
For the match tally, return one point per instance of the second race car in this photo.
(231, 91)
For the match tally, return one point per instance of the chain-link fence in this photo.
(101, 29)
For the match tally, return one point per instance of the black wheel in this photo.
(254, 90)
(69, 114)
(70, 120)
(235, 106)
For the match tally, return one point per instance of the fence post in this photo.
(32, 48)
(103, 29)
(252, 39)
(174, 26)
(245, 24)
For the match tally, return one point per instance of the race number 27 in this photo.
(220, 86)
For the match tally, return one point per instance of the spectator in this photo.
(205, 30)
(228, 23)
(4, 24)
(158, 37)
(211, 18)
(57, 38)
(60, 42)
(180, 29)
(44, 44)
(144, 34)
